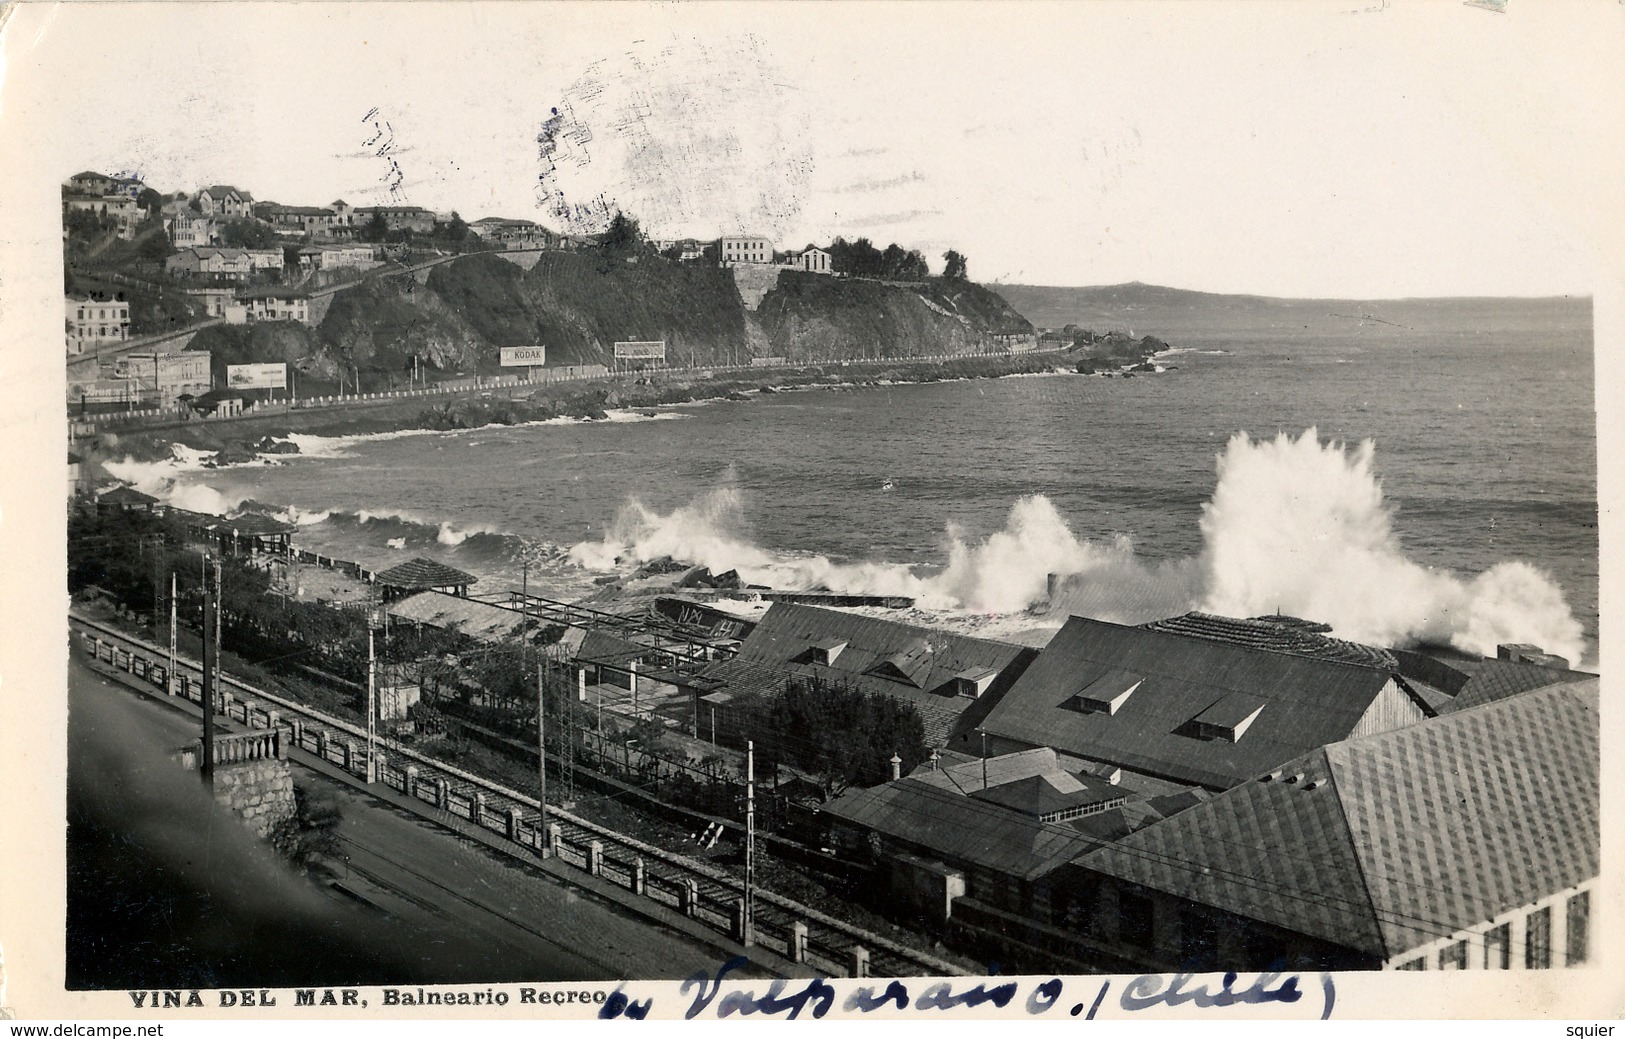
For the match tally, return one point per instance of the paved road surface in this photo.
(413, 904)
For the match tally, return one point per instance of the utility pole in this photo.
(541, 753)
(210, 629)
(372, 710)
(984, 761)
(169, 676)
(748, 925)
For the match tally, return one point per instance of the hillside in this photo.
(580, 304)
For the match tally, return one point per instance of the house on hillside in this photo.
(187, 228)
(120, 209)
(344, 218)
(209, 262)
(270, 303)
(814, 260)
(400, 218)
(1466, 842)
(950, 679)
(330, 257)
(226, 202)
(1196, 700)
(93, 321)
(746, 249)
(91, 183)
(296, 220)
(213, 300)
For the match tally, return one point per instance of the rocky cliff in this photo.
(579, 304)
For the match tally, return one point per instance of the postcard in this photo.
(909, 512)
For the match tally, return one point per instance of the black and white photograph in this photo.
(775, 510)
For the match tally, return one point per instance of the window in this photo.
(1135, 916)
(1198, 941)
(1579, 921)
(1537, 946)
(1417, 964)
(1453, 956)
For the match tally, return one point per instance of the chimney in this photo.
(896, 768)
(1052, 582)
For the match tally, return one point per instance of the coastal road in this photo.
(407, 901)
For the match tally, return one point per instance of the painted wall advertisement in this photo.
(257, 376)
(524, 356)
(644, 351)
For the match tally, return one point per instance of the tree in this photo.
(624, 235)
(150, 200)
(953, 265)
(247, 234)
(375, 230)
(453, 231)
(152, 244)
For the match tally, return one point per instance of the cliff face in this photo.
(810, 317)
(580, 304)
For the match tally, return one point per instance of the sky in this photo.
(1346, 149)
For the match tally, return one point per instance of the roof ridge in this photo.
(1176, 633)
(1367, 902)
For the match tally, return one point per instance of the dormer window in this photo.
(1228, 718)
(824, 651)
(974, 682)
(1108, 693)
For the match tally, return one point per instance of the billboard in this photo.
(655, 351)
(257, 376)
(524, 356)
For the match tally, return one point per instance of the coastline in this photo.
(245, 439)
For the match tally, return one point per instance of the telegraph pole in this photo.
(748, 928)
(541, 752)
(372, 710)
(169, 683)
(209, 628)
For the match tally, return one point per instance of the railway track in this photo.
(699, 890)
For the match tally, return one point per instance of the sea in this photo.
(1405, 471)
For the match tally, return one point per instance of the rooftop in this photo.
(480, 620)
(1390, 841)
(1278, 634)
(1183, 707)
(899, 660)
(126, 496)
(424, 573)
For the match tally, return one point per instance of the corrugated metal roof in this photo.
(960, 828)
(1498, 679)
(1040, 795)
(1308, 702)
(424, 573)
(925, 660)
(1404, 836)
(470, 617)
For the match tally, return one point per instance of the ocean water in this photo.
(1423, 470)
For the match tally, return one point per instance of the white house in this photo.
(746, 249)
(91, 322)
(815, 261)
(270, 304)
(187, 228)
